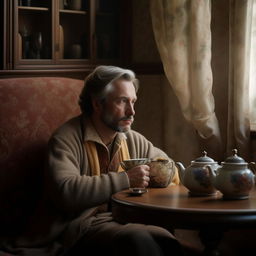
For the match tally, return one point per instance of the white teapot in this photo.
(196, 177)
(234, 179)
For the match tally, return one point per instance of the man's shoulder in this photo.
(132, 134)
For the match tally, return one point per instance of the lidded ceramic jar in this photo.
(233, 179)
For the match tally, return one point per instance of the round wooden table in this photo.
(173, 208)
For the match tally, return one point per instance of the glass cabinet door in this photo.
(34, 26)
(62, 34)
(107, 29)
(73, 29)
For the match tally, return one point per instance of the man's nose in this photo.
(130, 110)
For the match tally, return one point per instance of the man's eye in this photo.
(121, 101)
(125, 101)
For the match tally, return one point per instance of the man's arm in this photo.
(67, 187)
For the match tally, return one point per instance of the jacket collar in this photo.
(90, 133)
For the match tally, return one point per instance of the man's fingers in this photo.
(146, 178)
(146, 173)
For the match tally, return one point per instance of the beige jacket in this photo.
(72, 195)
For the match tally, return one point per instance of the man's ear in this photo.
(97, 105)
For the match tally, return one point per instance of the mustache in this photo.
(126, 118)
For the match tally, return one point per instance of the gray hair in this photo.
(99, 82)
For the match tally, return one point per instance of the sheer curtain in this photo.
(238, 130)
(252, 82)
(183, 37)
(182, 30)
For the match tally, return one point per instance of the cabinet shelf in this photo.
(73, 12)
(28, 8)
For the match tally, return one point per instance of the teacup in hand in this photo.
(129, 164)
(161, 173)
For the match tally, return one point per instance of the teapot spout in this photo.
(181, 170)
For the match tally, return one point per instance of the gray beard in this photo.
(108, 122)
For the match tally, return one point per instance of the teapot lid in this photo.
(234, 159)
(204, 158)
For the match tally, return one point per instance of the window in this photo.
(252, 78)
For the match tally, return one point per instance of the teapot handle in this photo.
(252, 167)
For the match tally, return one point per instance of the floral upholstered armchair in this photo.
(30, 110)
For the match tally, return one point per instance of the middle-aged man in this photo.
(83, 171)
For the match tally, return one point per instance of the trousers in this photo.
(110, 238)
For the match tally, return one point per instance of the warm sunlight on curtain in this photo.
(183, 36)
(238, 130)
(252, 89)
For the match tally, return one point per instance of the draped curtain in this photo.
(238, 130)
(182, 30)
(252, 78)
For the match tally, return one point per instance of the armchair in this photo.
(30, 110)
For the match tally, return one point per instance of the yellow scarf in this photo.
(94, 159)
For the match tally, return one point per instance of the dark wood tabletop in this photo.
(173, 207)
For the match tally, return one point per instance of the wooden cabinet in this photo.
(65, 35)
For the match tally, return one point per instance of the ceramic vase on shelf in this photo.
(61, 4)
(25, 42)
(76, 51)
(61, 38)
(75, 4)
(38, 44)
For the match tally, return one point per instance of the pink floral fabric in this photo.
(30, 110)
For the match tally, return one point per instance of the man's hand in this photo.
(139, 176)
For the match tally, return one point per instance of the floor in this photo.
(234, 243)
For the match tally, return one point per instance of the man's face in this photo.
(118, 108)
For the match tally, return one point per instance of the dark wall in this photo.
(1, 32)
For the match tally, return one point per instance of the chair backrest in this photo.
(30, 110)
